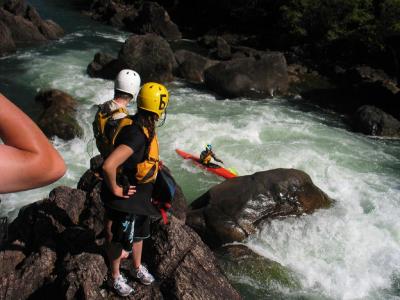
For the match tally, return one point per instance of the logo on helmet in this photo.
(162, 102)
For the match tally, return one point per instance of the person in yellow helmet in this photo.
(207, 154)
(129, 172)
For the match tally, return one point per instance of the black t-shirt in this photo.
(133, 137)
(140, 203)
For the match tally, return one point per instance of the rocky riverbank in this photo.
(60, 239)
(258, 61)
(21, 25)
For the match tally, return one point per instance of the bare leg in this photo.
(137, 254)
(114, 251)
(115, 259)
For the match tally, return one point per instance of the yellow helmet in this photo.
(153, 97)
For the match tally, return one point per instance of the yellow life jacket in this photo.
(148, 168)
(103, 142)
(205, 157)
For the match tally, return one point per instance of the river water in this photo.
(350, 251)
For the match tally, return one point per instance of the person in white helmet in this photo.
(126, 89)
(109, 117)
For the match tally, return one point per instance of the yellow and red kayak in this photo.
(213, 168)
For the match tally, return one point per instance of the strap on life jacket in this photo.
(163, 192)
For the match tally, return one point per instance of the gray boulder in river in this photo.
(21, 24)
(235, 208)
(373, 121)
(58, 118)
(150, 55)
(254, 77)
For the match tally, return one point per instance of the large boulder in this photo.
(58, 118)
(185, 265)
(20, 24)
(7, 44)
(235, 208)
(153, 18)
(105, 66)
(41, 222)
(249, 77)
(22, 30)
(48, 28)
(191, 66)
(374, 121)
(350, 88)
(150, 55)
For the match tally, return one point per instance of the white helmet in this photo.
(128, 81)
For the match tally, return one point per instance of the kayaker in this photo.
(207, 154)
(129, 171)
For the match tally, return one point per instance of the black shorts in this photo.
(128, 228)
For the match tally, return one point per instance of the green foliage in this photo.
(326, 22)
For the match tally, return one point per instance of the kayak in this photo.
(213, 168)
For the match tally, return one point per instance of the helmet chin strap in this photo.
(161, 123)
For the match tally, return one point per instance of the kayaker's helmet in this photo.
(153, 97)
(208, 147)
(128, 81)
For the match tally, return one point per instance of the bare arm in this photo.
(27, 159)
(110, 166)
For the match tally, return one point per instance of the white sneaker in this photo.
(120, 286)
(142, 274)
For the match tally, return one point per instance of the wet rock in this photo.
(150, 55)
(249, 77)
(104, 66)
(58, 118)
(238, 261)
(191, 66)
(374, 121)
(235, 208)
(184, 264)
(153, 18)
